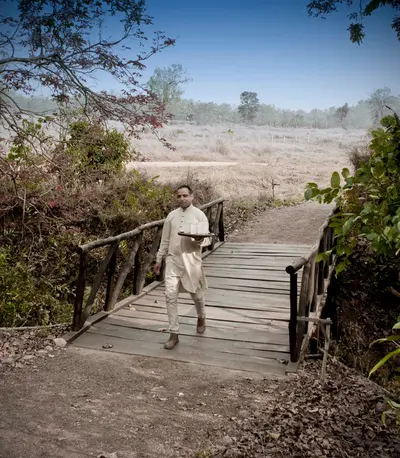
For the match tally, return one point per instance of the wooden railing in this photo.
(133, 261)
(314, 283)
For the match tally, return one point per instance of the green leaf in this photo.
(349, 182)
(340, 267)
(378, 170)
(345, 173)
(335, 180)
(323, 256)
(348, 225)
(393, 404)
(384, 360)
(308, 194)
(372, 236)
(396, 326)
(386, 339)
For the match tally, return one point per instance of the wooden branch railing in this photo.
(314, 283)
(214, 212)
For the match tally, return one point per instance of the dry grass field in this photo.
(246, 161)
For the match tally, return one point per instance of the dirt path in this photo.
(74, 403)
(298, 224)
(85, 403)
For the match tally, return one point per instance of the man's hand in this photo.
(157, 268)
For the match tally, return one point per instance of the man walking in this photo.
(184, 267)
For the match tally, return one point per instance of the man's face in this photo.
(184, 198)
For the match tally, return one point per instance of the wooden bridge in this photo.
(260, 301)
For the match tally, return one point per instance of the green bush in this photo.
(91, 146)
(25, 300)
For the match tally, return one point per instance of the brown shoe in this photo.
(172, 341)
(201, 325)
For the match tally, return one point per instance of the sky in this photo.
(274, 48)
(271, 47)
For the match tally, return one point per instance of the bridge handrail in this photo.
(140, 269)
(314, 283)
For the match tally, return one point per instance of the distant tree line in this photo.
(166, 85)
(365, 114)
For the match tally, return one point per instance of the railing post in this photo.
(294, 354)
(125, 270)
(137, 271)
(314, 301)
(80, 291)
(216, 225)
(326, 248)
(140, 277)
(110, 280)
(330, 229)
(221, 227)
(303, 304)
(321, 267)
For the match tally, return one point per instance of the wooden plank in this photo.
(263, 245)
(262, 263)
(224, 333)
(265, 302)
(156, 321)
(230, 258)
(249, 289)
(277, 252)
(266, 249)
(248, 316)
(249, 267)
(273, 255)
(241, 305)
(258, 254)
(183, 353)
(228, 296)
(237, 275)
(216, 291)
(220, 312)
(247, 283)
(255, 274)
(207, 343)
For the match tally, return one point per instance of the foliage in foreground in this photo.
(369, 201)
(393, 406)
(360, 10)
(369, 209)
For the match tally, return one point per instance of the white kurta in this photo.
(183, 254)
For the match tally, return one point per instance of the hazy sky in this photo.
(274, 48)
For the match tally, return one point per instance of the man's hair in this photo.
(184, 186)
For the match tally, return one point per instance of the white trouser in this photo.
(172, 289)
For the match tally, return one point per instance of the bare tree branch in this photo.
(57, 54)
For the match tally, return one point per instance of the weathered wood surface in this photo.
(248, 312)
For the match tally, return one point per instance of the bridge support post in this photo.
(80, 290)
(294, 351)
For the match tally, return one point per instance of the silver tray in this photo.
(185, 234)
